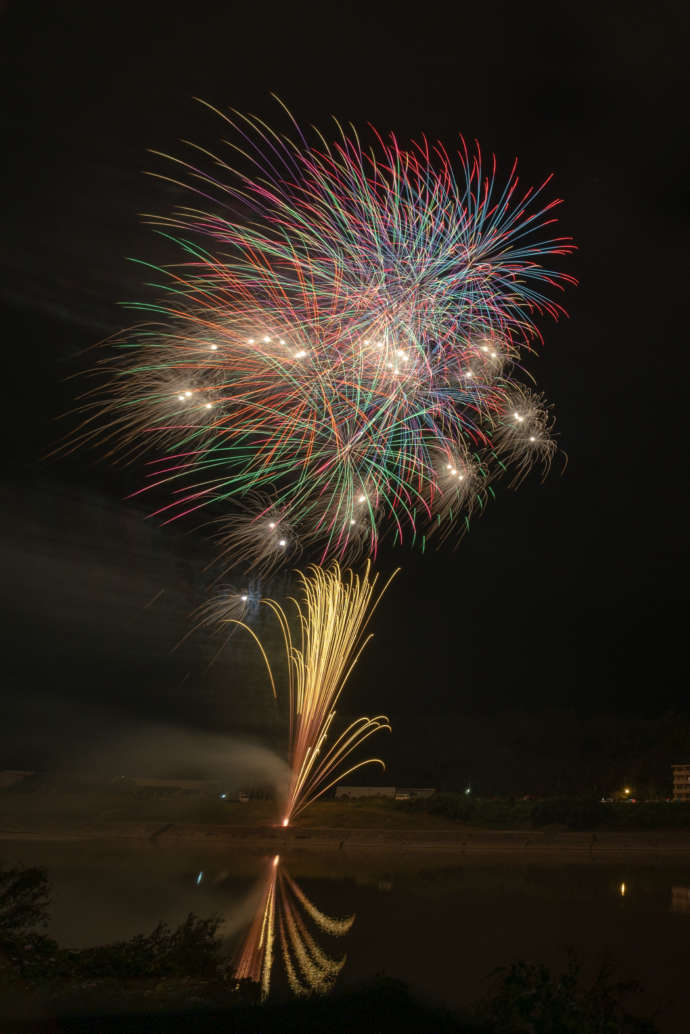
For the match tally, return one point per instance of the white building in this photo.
(400, 793)
(681, 782)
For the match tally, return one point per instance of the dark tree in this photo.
(24, 900)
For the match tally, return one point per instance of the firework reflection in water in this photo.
(283, 905)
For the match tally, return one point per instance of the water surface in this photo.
(438, 923)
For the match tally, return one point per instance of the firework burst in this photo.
(343, 327)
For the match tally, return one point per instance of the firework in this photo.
(343, 329)
(283, 903)
(255, 959)
(332, 618)
(261, 533)
(525, 432)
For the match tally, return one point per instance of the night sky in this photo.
(569, 594)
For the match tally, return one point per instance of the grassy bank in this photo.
(38, 810)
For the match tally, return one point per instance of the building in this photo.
(681, 782)
(680, 899)
(365, 791)
(409, 793)
(12, 776)
(400, 793)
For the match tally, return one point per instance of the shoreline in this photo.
(465, 841)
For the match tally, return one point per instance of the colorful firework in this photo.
(332, 618)
(309, 970)
(338, 349)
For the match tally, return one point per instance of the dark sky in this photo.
(568, 594)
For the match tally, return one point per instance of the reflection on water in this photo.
(307, 967)
(409, 907)
(680, 899)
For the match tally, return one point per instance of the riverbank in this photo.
(38, 806)
(584, 846)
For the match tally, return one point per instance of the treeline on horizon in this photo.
(507, 753)
(545, 754)
(574, 813)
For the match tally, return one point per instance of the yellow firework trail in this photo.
(282, 903)
(332, 617)
(255, 960)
